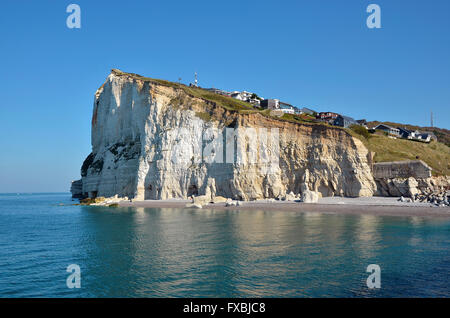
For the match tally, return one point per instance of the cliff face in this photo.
(150, 141)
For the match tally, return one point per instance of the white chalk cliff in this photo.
(147, 139)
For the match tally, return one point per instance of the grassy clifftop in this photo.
(443, 135)
(226, 102)
(435, 154)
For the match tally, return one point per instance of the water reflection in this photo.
(187, 253)
(367, 236)
(182, 252)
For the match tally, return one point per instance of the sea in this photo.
(50, 247)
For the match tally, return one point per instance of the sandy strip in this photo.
(373, 206)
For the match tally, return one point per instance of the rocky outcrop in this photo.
(76, 189)
(407, 178)
(410, 187)
(397, 187)
(149, 139)
(438, 198)
(310, 196)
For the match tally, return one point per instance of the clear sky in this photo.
(318, 54)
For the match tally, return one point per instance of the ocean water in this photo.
(136, 252)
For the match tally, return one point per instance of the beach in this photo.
(389, 206)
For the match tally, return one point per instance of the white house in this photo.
(286, 108)
(388, 129)
(237, 95)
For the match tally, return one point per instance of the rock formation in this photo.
(410, 187)
(77, 189)
(407, 178)
(149, 139)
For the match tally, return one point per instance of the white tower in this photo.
(196, 81)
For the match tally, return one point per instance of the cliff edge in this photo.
(153, 139)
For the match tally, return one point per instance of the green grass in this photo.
(204, 116)
(360, 130)
(435, 154)
(300, 119)
(225, 102)
(228, 103)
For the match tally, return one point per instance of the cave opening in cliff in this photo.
(192, 190)
(325, 190)
(148, 192)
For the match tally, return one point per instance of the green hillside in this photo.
(435, 154)
(443, 135)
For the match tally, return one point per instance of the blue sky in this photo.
(318, 54)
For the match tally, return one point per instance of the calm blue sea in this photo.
(136, 252)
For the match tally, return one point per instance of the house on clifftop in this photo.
(388, 129)
(344, 121)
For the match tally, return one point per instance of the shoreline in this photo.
(377, 206)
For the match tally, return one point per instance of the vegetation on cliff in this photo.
(225, 102)
(435, 154)
(443, 135)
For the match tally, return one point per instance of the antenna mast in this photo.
(432, 119)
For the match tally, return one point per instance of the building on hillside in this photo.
(286, 108)
(388, 129)
(424, 137)
(362, 122)
(408, 134)
(237, 95)
(405, 133)
(248, 97)
(270, 103)
(244, 95)
(344, 121)
(432, 135)
(297, 111)
(308, 111)
(328, 117)
(255, 101)
(219, 91)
